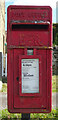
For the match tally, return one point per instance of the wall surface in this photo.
(57, 12)
(0, 64)
(2, 26)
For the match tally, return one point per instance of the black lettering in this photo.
(28, 75)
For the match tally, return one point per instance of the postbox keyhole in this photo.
(17, 78)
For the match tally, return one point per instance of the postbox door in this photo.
(32, 99)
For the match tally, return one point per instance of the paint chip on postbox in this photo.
(30, 76)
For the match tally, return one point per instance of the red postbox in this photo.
(29, 44)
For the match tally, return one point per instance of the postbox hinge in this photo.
(35, 47)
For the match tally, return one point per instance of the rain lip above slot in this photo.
(29, 21)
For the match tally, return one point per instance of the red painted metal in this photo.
(29, 27)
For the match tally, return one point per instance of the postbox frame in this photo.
(15, 50)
